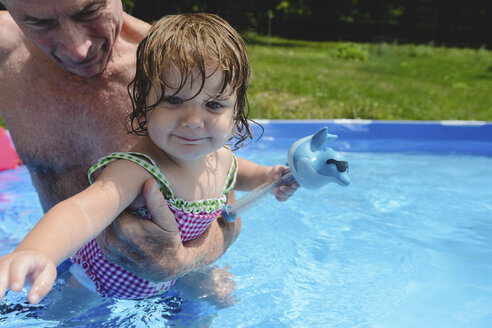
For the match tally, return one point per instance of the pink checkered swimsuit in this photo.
(193, 218)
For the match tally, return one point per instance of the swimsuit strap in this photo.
(231, 176)
(151, 166)
(148, 164)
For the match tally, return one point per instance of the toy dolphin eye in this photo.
(342, 166)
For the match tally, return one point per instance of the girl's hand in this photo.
(283, 192)
(17, 266)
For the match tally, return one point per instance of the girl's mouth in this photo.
(187, 139)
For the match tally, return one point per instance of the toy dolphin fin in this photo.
(320, 138)
(311, 164)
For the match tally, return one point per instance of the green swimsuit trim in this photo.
(188, 206)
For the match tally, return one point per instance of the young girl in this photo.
(189, 101)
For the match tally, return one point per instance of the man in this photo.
(64, 71)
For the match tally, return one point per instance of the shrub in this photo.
(351, 51)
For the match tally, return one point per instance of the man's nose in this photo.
(74, 43)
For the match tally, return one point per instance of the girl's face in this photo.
(189, 129)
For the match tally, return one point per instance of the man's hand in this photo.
(212, 284)
(153, 250)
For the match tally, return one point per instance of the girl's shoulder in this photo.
(226, 160)
(225, 154)
(119, 162)
(230, 168)
(134, 166)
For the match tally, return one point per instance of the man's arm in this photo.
(11, 39)
(10, 36)
(153, 249)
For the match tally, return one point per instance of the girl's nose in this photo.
(192, 118)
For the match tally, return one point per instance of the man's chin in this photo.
(86, 71)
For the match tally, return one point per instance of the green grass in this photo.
(306, 80)
(314, 80)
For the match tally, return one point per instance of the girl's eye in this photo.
(213, 105)
(173, 100)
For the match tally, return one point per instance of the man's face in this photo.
(78, 35)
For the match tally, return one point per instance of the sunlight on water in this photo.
(407, 244)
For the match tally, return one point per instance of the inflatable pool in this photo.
(407, 244)
(8, 155)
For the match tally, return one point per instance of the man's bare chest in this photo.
(67, 124)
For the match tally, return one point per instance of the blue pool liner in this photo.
(461, 137)
(464, 137)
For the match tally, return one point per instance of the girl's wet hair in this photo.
(190, 43)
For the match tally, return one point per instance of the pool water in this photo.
(407, 244)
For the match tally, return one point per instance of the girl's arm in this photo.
(67, 226)
(75, 221)
(251, 175)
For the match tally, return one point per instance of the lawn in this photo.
(323, 80)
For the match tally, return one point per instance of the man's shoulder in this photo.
(11, 36)
(133, 28)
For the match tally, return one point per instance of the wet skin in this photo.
(64, 76)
